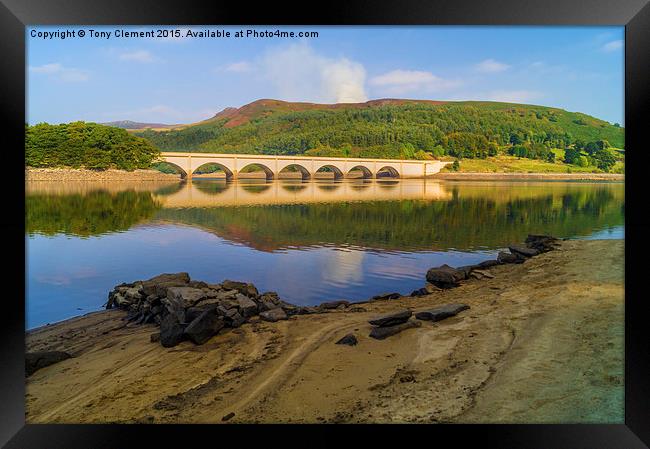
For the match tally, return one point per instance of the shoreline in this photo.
(81, 174)
(476, 176)
(70, 174)
(468, 368)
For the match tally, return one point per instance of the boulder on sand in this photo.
(187, 296)
(40, 359)
(390, 320)
(204, 326)
(333, 304)
(380, 333)
(442, 312)
(247, 307)
(273, 315)
(445, 276)
(349, 340)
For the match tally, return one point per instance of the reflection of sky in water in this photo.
(308, 252)
(66, 277)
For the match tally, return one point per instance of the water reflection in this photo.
(310, 241)
(402, 215)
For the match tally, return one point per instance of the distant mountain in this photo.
(128, 124)
(391, 128)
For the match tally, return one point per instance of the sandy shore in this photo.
(72, 174)
(529, 176)
(542, 342)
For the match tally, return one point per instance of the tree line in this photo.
(86, 145)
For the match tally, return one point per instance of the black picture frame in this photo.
(15, 15)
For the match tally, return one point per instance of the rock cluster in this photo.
(448, 277)
(195, 310)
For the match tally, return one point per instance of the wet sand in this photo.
(542, 342)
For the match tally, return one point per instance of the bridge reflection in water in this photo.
(206, 193)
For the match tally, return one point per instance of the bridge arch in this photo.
(267, 171)
(338, 174)
(363, 169)
(229, 174)
(180, 169)
(302, 170)
(387, 171)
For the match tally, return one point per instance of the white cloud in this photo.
(59, 72)
(397, 82)
(513, 96)
(238, 67)
(300, 74)
(491, 66)
(612, 46)
(138, 56)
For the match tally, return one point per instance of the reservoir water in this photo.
(310, 241)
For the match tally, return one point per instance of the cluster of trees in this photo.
(533, 151)
(86, 145)
(461, 129)
(597, 154)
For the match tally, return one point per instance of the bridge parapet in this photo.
(232, 164)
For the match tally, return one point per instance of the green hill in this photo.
(389, 128)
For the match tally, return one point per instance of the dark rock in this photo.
(197, 284)
(271, 297)
(445, 276)
(333, 304)
(487, 264)
(247, 307)
(466, 270)
(265, 305)
(186, 296)
(383, 296)
(234, 320)
(155, 337)
(307, 310)
(392, 319)
(40, 359)
(172, 331)
(504, 257)
(193, 312)
(542, 243)
(442, 312)
(241, 287)
(273, 315)
(203, 327)
(523, 251)
(228, 416)
(383, 332)
(157, 285)
(349, 340)
(419, 292)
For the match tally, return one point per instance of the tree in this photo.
(571, 155)
(455, 166)
(604, 160)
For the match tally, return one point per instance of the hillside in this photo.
(391, 128)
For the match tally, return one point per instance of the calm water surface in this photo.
(309, 241)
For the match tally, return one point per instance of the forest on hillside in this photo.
(408, 131)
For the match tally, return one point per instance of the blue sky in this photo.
(186, 79)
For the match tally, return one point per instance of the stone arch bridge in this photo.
(232, 164)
